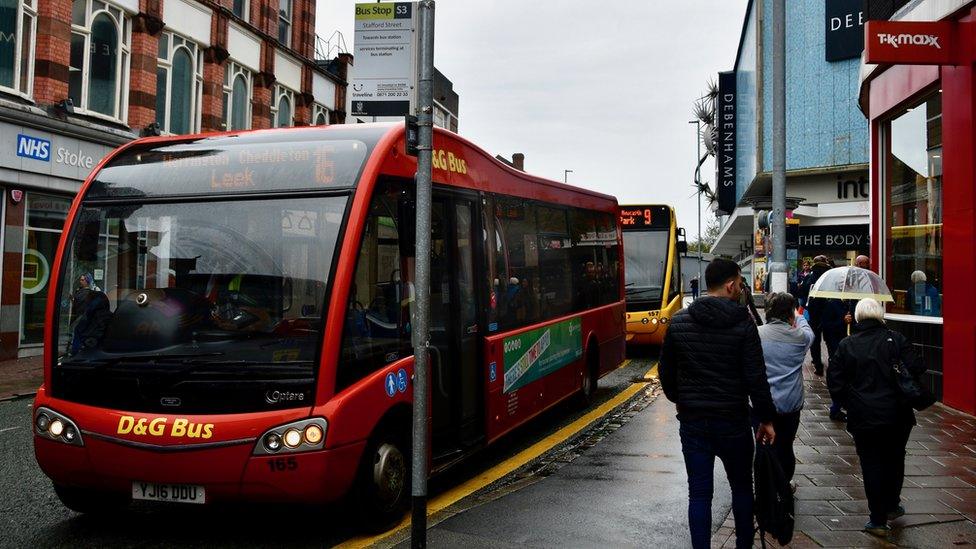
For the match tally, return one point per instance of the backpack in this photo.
(774, 498)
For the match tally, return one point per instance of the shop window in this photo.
(42, 230)
(282, 115)
(237, 97)
(913, 208)
(99, 59)
(320, 115)
(18, 22)
(284, 22)
(179, 84)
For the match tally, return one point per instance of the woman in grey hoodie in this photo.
(786, 337)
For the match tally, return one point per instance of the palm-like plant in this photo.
(704, 111)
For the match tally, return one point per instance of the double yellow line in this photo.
(456, 494)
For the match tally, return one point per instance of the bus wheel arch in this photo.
(381, 493)
(591, 371)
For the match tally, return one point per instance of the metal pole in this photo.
(566, 175)
(421, 324)
(777, 266)
(697, 124)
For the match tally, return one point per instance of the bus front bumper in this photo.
(227, 473)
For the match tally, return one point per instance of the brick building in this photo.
(80, 77)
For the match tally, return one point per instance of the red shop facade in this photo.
(917, 90)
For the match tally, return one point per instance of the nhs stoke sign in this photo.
(33, 147)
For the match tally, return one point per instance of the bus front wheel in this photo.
(82, 500)
(382, 491)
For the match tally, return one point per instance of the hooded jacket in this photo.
(861, 379)
(712, 363)
(785, 349)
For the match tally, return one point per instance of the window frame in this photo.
(319, 109)
(232, 70)
(885, 248)
(279, 93)
(196, 96)
(244, 12)
(26, 8)
(123, 24)
(286, 19)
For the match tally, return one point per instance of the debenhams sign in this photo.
(725, 148)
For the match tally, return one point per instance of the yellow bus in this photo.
(653, 245)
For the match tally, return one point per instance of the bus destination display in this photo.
(645, 216)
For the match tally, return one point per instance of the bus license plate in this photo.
(179, 493)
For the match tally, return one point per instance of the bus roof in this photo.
(291, 159)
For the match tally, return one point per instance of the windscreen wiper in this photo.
(93, 363)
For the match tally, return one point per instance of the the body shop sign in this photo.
(536, 353)
(911, 43)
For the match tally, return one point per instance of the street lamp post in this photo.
(566, 175)
(697, 124)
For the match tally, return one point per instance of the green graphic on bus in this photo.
(534, 354)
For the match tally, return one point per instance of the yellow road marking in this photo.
(491, 475)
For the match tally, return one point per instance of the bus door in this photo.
(454, 329)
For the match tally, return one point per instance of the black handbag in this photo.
(914, 393)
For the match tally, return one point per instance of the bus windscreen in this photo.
(225, 165)
(645, 258)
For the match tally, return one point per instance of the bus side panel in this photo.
(507, 410)
(354, 413)
(608, 325)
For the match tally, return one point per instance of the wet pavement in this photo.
(940, 482)
(20, 377)
(627, 491)
(630, 489)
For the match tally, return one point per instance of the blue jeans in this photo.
(732, 441)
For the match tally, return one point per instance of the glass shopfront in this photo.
(44, 221)
(913, 208)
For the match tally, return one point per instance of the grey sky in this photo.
(601, 88)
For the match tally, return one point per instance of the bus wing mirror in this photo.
(682, 242)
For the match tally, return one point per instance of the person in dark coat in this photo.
(861, 378)
(815, 306)
(694, 288)
(712, 366)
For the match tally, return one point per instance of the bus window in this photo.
(608, 266)
(377, 315)
(676, 282)
(555, 265)
(515, 219)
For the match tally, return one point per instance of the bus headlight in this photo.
(57, 427)
(644, 320)
(654, 321)
(298, 436)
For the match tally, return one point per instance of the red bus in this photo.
(230, 317)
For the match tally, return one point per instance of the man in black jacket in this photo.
(711, 367)
(816, 307)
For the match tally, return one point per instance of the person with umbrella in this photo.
(837, 291)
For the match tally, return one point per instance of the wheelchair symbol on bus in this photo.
(401, 381)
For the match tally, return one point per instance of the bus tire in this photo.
(382, 490)
(591, 376)
(92, 502)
